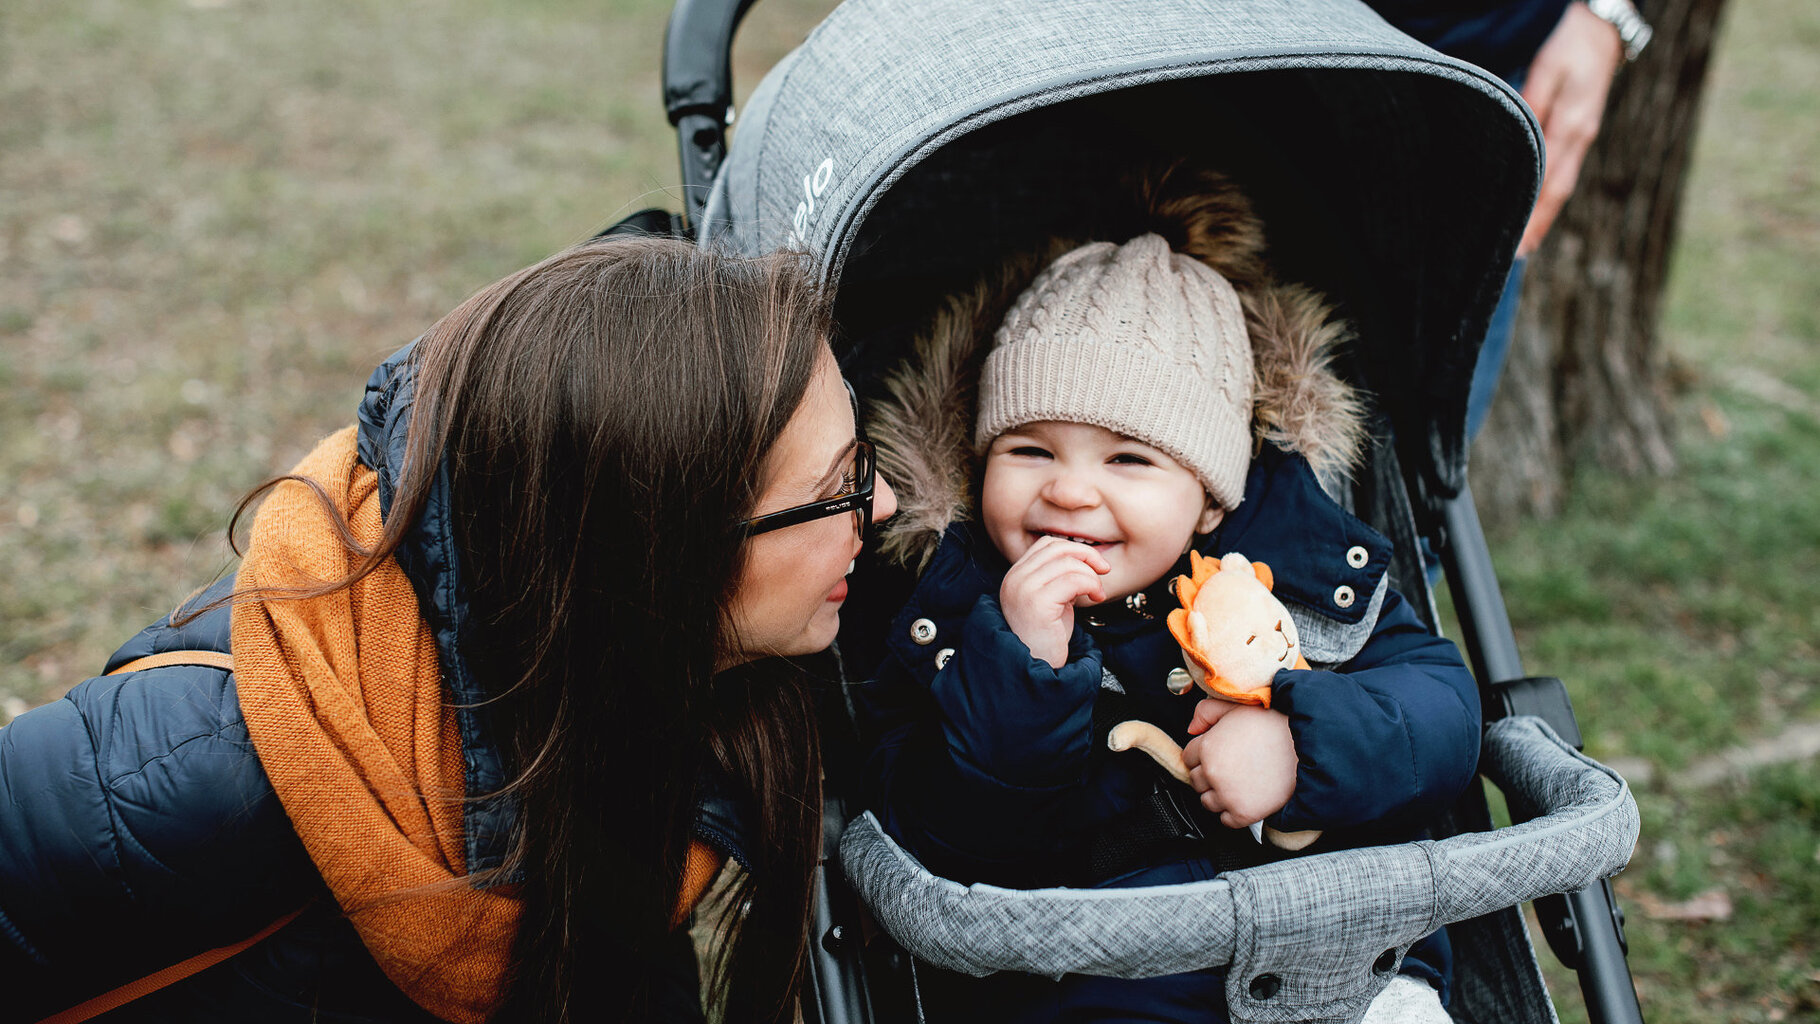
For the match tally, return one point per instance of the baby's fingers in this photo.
(1208, 713)
(1075, 586)
(1055, 548)
(1063, 579)
(1209, 794)
(1233, 819)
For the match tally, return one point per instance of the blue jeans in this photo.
(1492, 354)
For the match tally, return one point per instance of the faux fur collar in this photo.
(923, 425)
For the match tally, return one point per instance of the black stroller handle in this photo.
(698, 90)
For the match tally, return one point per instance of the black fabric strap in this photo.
(1168, 824)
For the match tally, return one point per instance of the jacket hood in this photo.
(432, 562)
(429, 558)
(923, 423)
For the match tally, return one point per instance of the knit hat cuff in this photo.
(1124, 390)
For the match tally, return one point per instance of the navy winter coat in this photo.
(1501, 36)
(991, 766)
(137, 827)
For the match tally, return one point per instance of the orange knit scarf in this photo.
(343, 697)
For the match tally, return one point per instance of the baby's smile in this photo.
(1075, 537)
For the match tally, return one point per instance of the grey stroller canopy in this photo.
(908, 144)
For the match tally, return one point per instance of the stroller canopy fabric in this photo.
(909, 146)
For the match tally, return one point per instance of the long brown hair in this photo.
(602, 419)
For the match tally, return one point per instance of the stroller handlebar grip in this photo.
(698, 90)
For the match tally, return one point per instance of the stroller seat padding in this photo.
(1330, 928)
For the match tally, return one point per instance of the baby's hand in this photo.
(1041, 590)
(1208, 713)
(1244, 766)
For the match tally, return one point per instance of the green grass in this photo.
(1757, 841)
(217, 215)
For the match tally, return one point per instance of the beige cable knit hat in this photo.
(1136, 338)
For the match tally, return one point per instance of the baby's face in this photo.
(1136, 506)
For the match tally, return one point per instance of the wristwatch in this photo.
(1633, 31)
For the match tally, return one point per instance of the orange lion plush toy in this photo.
(1235, 635)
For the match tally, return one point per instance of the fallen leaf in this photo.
(1716, 423)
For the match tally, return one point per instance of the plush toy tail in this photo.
(1291, 841)
(1153, 741)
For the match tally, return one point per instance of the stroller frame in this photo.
(856, 981)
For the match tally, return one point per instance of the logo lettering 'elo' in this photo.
(814, 184)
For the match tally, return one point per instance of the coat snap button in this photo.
(1179, 681)
(922, 631)
(942, 656)
(1264, 986)
(1357, 556)
(1386, 962)
(1343, 596)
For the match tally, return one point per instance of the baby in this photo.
(1116, 429)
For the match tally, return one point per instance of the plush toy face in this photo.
(1235, 634)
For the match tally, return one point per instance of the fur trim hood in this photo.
(923, 423)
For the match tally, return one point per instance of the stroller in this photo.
(909, 145)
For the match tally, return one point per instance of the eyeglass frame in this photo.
(859, 500)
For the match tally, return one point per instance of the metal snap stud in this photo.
(1343, 596)
(1137, 603)
(1264, 986)
(1357, 556)
(942, 656)
(923, 632)
(1179, 680)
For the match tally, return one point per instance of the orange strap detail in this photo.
(169, 976)
(213, 659)
(132, 990)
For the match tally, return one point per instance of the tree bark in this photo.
(1586, 381)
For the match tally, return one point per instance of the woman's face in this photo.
(788, 596)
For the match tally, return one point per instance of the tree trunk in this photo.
(1586, 382)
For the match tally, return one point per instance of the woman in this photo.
(499, 702)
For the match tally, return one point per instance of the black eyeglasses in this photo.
(857, 499)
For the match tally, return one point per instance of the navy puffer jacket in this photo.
(137, 827)
(991, 766)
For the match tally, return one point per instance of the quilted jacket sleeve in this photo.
(136, 829)
(979, 772)
(1391, 739)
